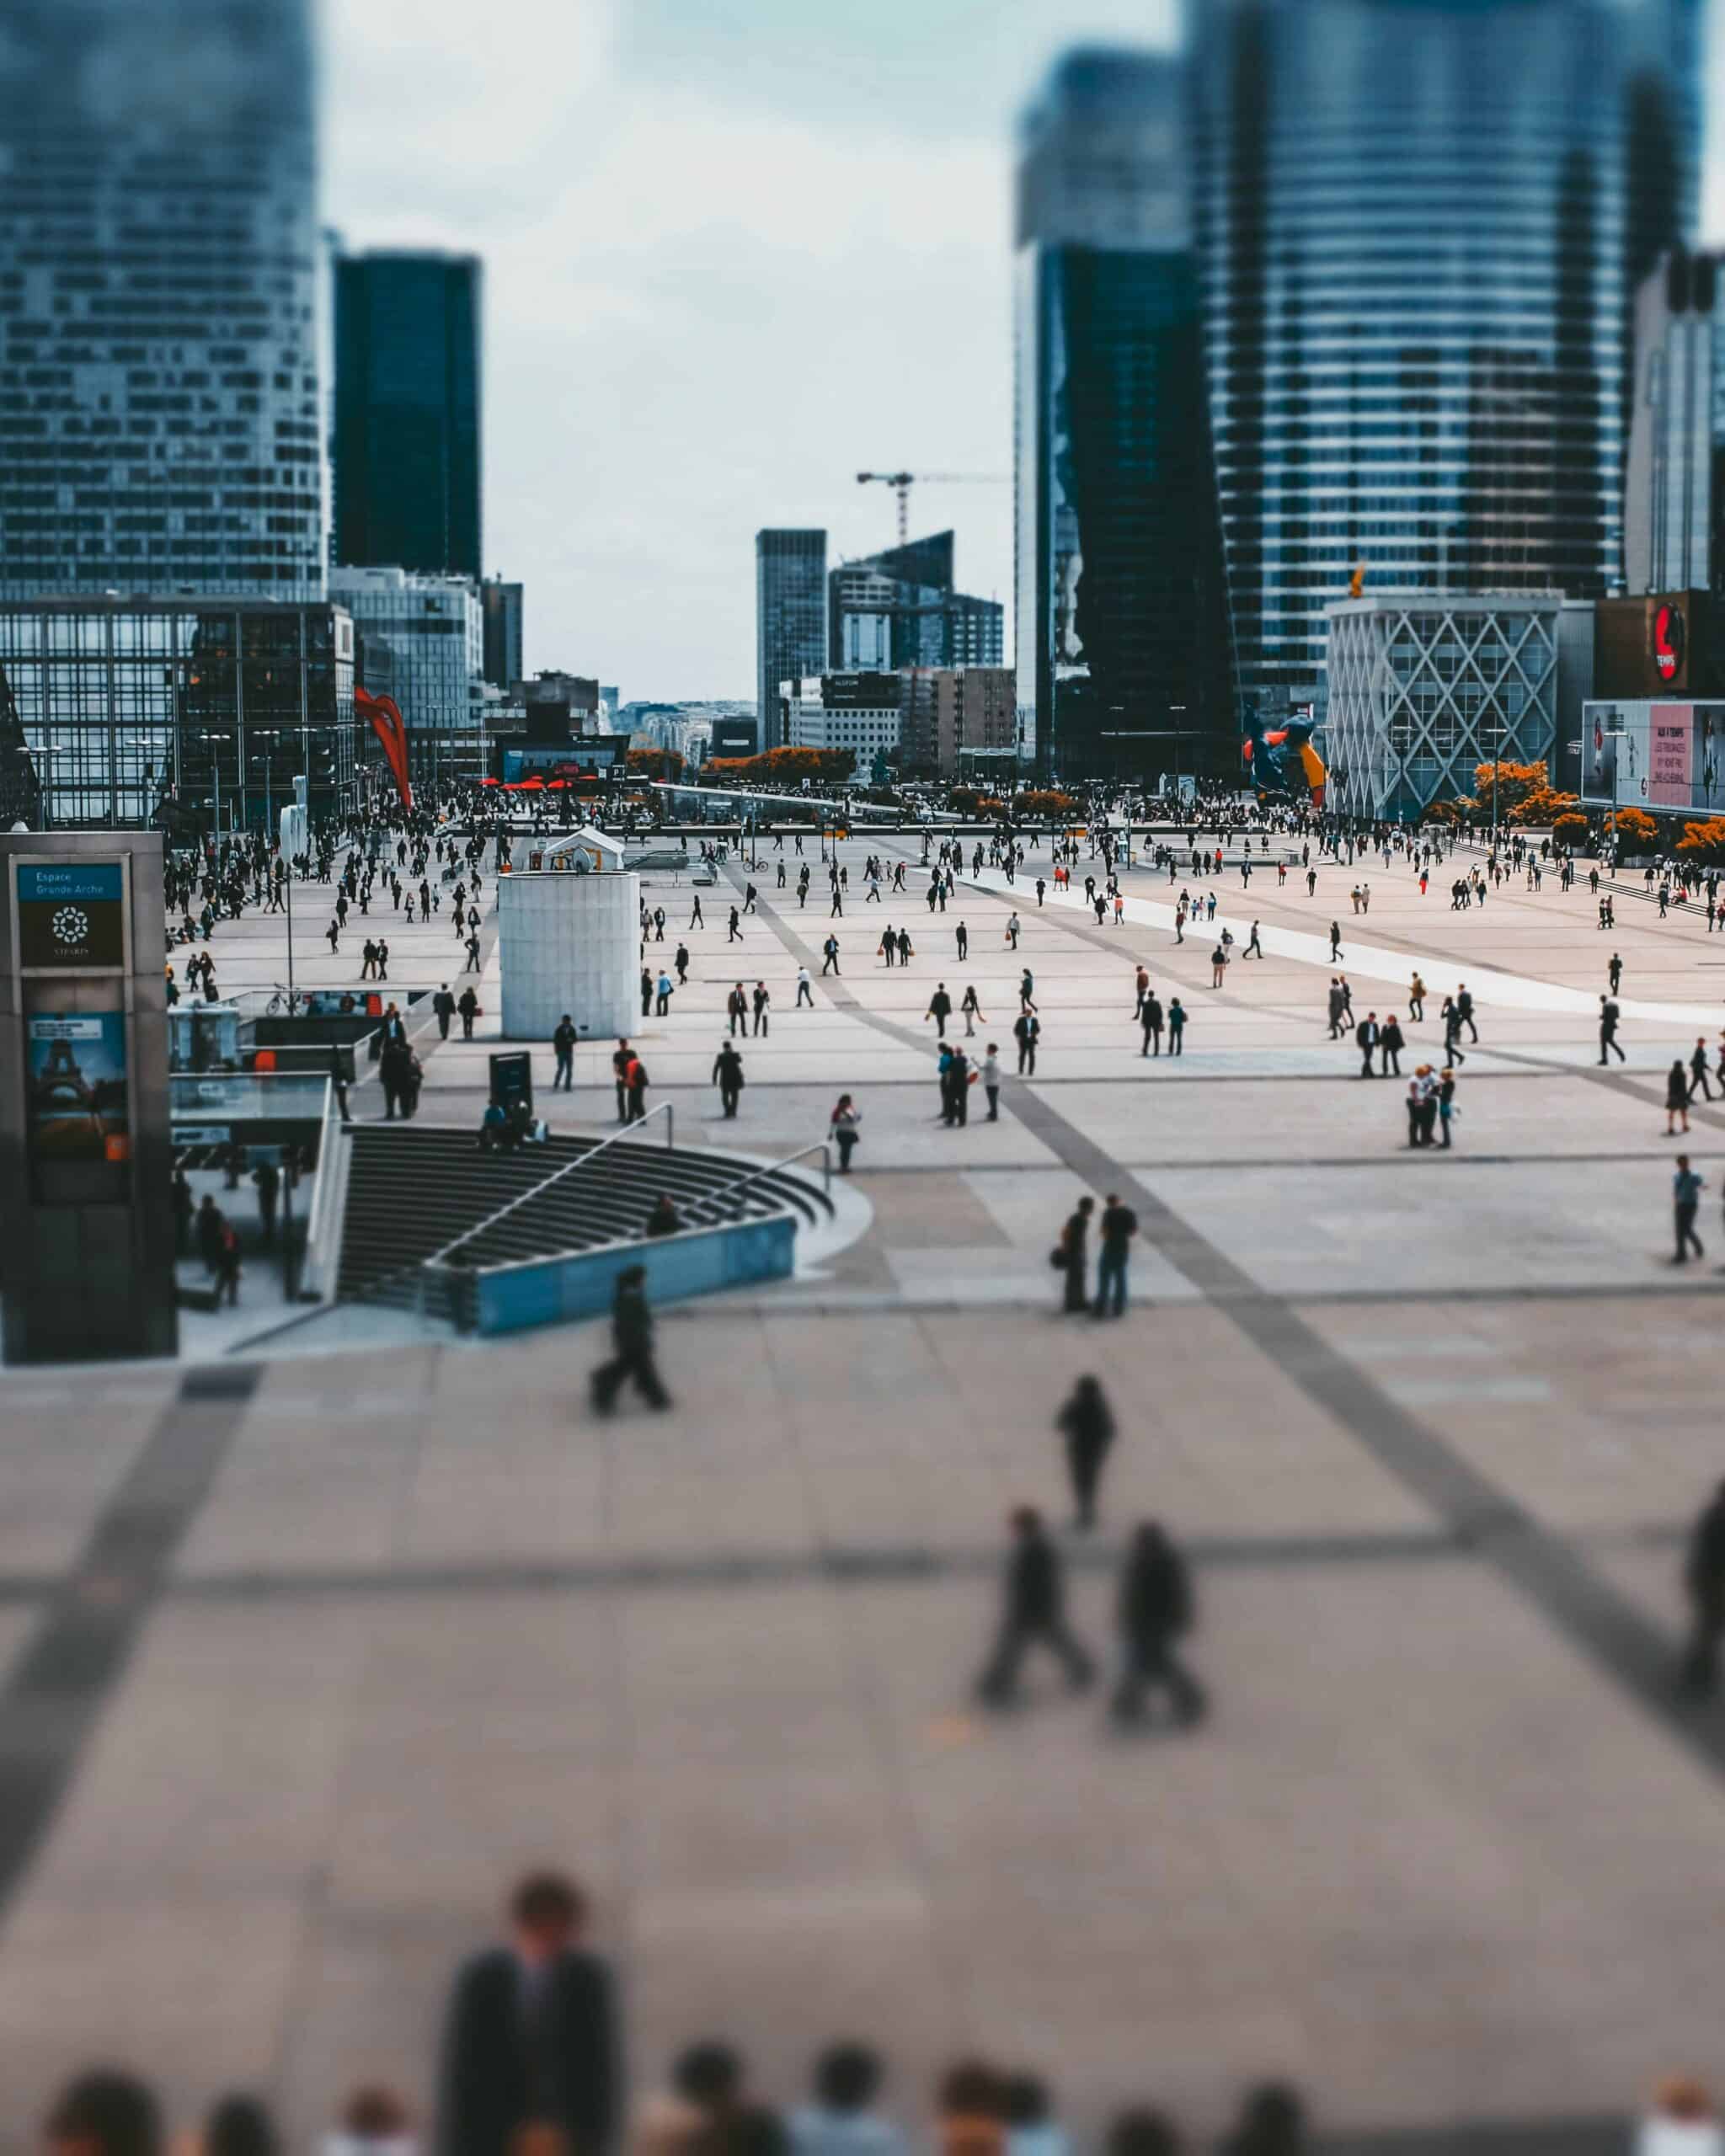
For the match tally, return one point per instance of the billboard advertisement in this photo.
(79, 1127)
(1643, 754)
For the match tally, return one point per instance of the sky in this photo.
(736, 251)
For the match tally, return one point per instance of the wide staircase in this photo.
(414, 1188)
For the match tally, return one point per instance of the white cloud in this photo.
(698, 321)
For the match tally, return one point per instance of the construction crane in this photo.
(902, 482)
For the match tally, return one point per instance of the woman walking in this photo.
(1676, 1097)
(845, 1133)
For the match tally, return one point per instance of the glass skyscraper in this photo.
(900, 608)
(158, 379)
(1420, 224)
(407, 455)
(1122, 647)
(790, 619)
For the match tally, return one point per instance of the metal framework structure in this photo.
(1424, 689)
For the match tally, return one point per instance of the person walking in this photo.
(1086, 1424)
(761, 1002)
(631, 1341)
(635, 1083)
(805, 989)
(991, 1081)
(1464, 1010)
(1034, 1615)
(227, 1265)
(1447, 1109)
(962, 938)
(1254, 948)
(266, 1178)
(1365, 1039)
(1027, 1030)
(728, 1076)
(1177, 1027)
(1118, 1226)
(622, 1058)
(1335, 940)
(563, 1041)
(1704, 1582)
(666, 988)
(1218, 965)
(1416, 999)
(1149, 1017)
(736, 1005)
(1072, 1255)
(1390, 1044)
(530, 2035)
(1676, 1097)
(1614, 974)
(1686, 1188)
(1698, 1071)
(972, 1008)
(830, 956)
(1338, 1009)
(1156, 1608)
(443, 1010)
(468, 1007)
(940, 1009)
(185, 1206)
(842, 1124)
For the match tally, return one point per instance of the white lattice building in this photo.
(1424, 687)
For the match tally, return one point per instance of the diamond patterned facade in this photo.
(1424, 690)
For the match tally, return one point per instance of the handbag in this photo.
(1059, 1257)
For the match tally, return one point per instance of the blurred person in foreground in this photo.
(1682, 2122)
(104, 2112)
(239, 2125)
(970, 2106)
(1032, 2128)
(1704, 1580)
(695, 2113)
(1272, 2123)
(374, 2121)
(840, 2119)
(530, 2038)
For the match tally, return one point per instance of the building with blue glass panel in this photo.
(1420, 226)
(1121, 627)
(406, 444)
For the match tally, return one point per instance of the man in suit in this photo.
(530, 2039)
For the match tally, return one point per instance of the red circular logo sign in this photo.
(1667, 642)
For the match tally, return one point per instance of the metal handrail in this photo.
(666, 1108)
(823, 1146)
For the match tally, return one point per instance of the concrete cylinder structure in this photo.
(568, 942)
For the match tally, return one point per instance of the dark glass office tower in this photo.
(159, 423)
(503, 604)
(790, 619)
(900, 608)
(1421, 225)
(407, 453)
(1122, 651)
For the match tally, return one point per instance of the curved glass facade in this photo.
(1419, 228)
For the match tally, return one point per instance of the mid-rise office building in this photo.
(1120, 624)
(419, 639)
(159, 420)
(861, 711)
(1420, 229)
(1673, 505)
(901, 608)
(960, 717)
(198, 714)
(790, 619)
(503, 605)
(406, 444)
(1423, 690)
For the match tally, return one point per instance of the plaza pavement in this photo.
(305, 1656)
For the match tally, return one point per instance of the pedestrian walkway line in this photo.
(1539, 1565)
(62, 1681)
(1489, 985)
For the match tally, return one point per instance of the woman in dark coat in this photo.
(1087, 1425)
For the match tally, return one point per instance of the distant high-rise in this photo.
(407, 451)
(899, 608)
(503, 605)
(790, 619)
(1674, 495)
(1421, 223)
(159, 426)
(1121, 625)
